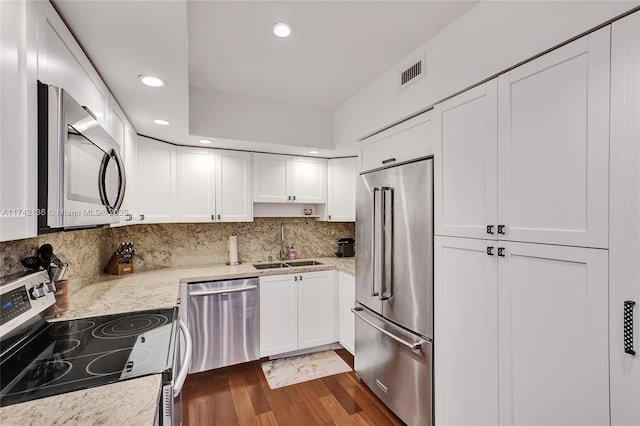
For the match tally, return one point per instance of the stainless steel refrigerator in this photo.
(394, 288)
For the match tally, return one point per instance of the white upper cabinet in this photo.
(213, 185)
(233, 186)
(156, 181)
(466, 201)
(341, 190)
(195, 184)
(117, 122)
(284, 179)
(624, 219)
(129, 210)
(409, 140)
(529, 162)
(18, 121)
(553, 334)
(553, 146)
(62, 63)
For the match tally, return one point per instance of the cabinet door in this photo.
(270, 178)
(317, 309)
(553, 145)
(308, 180)
(62, 63)
(233, 186)
(347, 295)
(406, 141)
(553, 335)
(624, 238)
(341, 191)
(156, 181)
(18, 123)
(466, 200)
(466, 332)
(195, 185)
(278, 314)
(129, 210)
(116, 122)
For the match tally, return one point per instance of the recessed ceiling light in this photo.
(281, 29)
(205, 141)
(314, 152)
(161, 122)
(149, 80)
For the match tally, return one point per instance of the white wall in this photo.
(223, 115)
(490, 37)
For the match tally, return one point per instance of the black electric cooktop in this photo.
(77, 354)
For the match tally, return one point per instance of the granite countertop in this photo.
(133, 401)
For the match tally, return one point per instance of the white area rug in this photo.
(298, 369)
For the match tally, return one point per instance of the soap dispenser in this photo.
(292, 253)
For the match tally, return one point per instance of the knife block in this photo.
(114, 267)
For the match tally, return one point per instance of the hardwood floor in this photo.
(240, 395)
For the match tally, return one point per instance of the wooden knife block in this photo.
(114, 267)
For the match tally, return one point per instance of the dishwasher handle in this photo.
(186, 363)
(221, 291)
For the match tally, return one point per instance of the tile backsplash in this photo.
(178, 244)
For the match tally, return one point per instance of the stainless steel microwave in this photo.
(81, 175)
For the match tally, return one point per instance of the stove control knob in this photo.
(37, 292)
(51, 287)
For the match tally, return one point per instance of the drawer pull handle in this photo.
(388, 160)
(628, 327)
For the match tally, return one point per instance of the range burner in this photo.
(45, 349)
(112, 362)
(129, 326)
(64, 328)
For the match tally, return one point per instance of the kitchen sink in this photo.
(270, 265)
(303, 263)
(286, 264)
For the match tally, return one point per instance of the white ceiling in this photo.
(336, 48)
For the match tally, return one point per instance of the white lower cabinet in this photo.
(297, 311)
(347, 299)
(521, 332)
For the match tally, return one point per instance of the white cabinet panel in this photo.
(233, 186)
(129, 210)
(409, 140)
(297, 311)
(624, 218)
(341, 189)
(317, 309)
(466, 332)
(18, 121)
(466, 201)
(278, 314)
(62, 63)
(270, 178)
(553, 145)
(156, 181)
(347, 297)
(195, 184)
(553, 333)
(284, 179)
(308, 180)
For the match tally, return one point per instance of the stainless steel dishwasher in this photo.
(223, 318)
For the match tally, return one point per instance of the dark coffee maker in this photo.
(346, 247)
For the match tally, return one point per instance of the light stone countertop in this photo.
(133, 402)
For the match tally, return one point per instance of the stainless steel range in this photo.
(40, 359)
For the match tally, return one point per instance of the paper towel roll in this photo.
(233, 250)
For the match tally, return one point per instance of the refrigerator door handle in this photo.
(386, 280)
(414, 346)
(374, 263)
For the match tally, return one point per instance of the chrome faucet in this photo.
(283, 248)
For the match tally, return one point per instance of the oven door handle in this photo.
(186, 362)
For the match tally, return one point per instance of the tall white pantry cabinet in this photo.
(521, 247)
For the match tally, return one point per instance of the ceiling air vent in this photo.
(412, 74)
